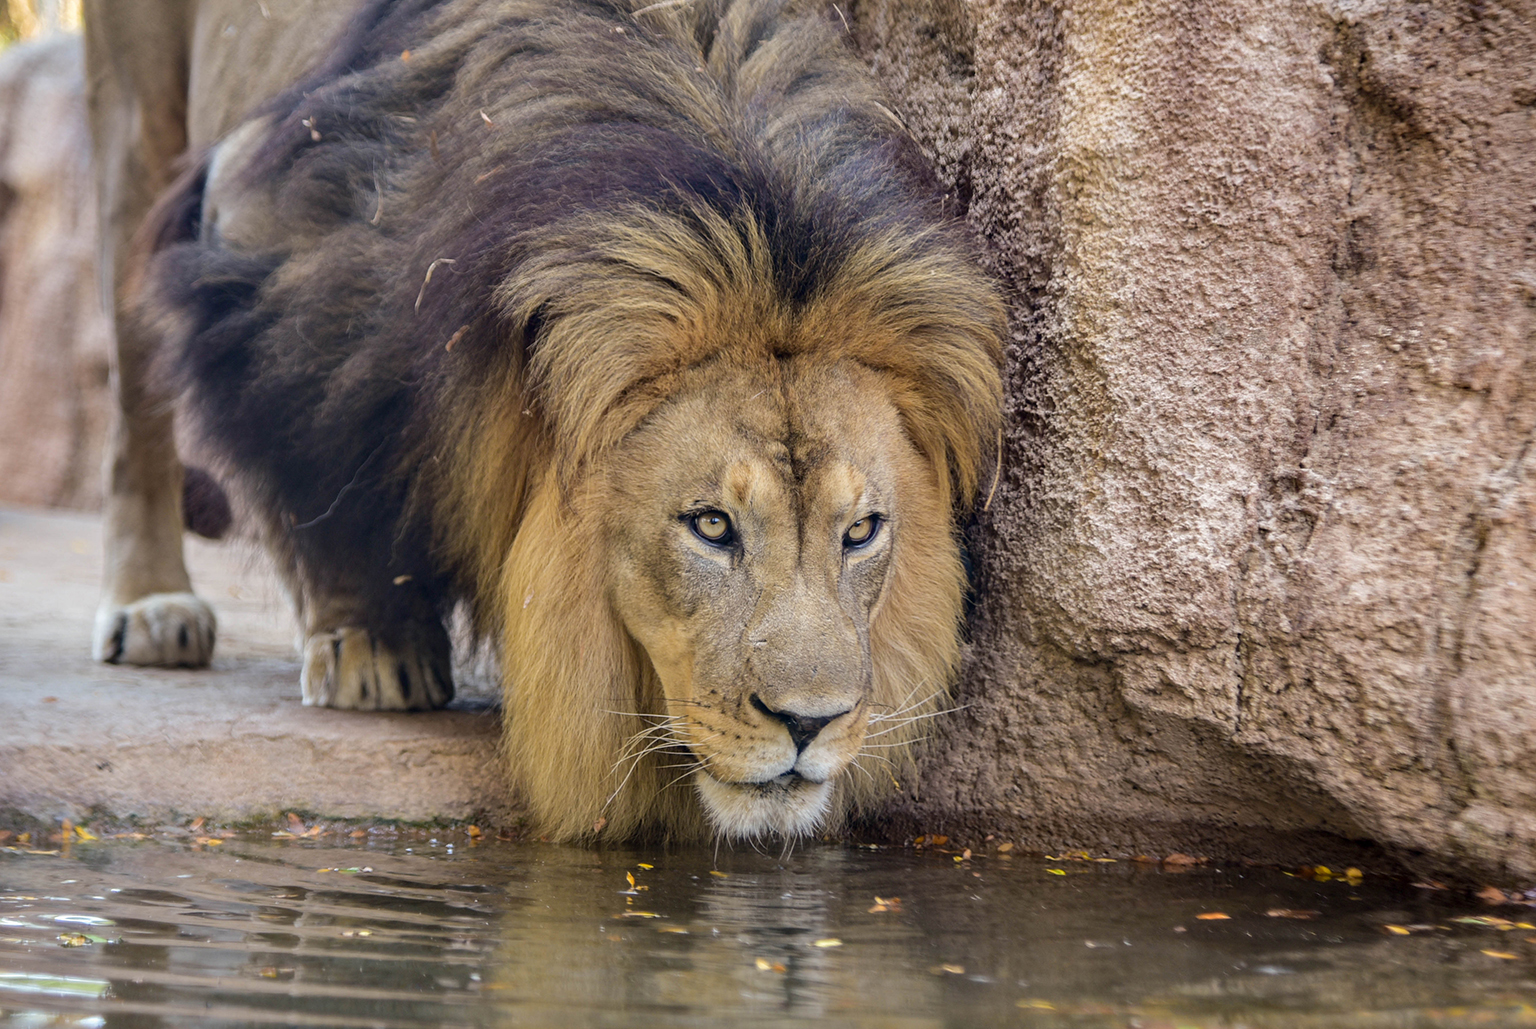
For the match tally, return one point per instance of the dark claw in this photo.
(119, 638)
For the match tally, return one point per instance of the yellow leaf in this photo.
(1501, 954)
(1397, 930)
(84, 833)
(639, 914)
(1056, 871)
(718, 875)
(1213, 916)
(631, 877)
(1038, 1005)
(828, 943)
(646, 866)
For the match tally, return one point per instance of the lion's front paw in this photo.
(349, 668)
(170, 629)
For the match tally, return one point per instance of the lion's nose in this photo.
(802, 728)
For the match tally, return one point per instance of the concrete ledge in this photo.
(231, 742)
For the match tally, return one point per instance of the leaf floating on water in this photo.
(827, 943)
(1214, 916)
(646, 866)
(1492, 895)
(1502, 955)
(78, 940)
(1037, 1005)
(885, 904)
(639, 914)
(1056, 871)
(764, 965)
(1003, 848)
(631, 877)
(718, 875)
(1353, 876)
(948, 969)
(1397, 930)
(1298, 913)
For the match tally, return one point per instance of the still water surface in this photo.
(422, 932)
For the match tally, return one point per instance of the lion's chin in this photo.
(789, 805)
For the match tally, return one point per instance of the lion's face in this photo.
(749, 561)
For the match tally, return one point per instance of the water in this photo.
(408, 931)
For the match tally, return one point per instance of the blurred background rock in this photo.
(53, 331)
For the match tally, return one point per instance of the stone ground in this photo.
(231, 742)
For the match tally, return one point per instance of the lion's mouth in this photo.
(788, 804)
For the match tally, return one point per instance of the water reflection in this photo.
(256, 932)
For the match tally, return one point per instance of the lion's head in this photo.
(740, 566)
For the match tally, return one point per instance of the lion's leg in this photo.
(370, 640)
(136, 71)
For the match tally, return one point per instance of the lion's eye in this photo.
(861, 531)
(713, 527)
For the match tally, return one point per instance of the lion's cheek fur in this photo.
(570, 673)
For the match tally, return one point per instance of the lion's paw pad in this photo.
(168, 629)
(349, 668)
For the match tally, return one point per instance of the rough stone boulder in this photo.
(53, 329)
(1261, 557)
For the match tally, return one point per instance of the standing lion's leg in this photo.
(136, 70)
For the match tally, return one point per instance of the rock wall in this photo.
(53, 329)
(1261, 557)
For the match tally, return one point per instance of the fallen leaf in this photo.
(209, 841)
(948, 969)
(1177, 860)
(827, 943)
(597, 826)
(1503, 955)
(1397, 930)
(1003, 848)
(1353, 876)
(1056, 871)
(646, 866)
(85, 834)
(1213, 916)
(639, 914)
(197, 823)
(764, 965)
(718, 875)
(631, 877)
(1038, 1005)
(75, 940)
(1492, 895)
(1291, 913)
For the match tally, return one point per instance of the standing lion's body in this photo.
(639, 333)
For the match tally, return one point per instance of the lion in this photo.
(641, 333)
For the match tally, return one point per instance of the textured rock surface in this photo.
(1262, 554)
(53, 332)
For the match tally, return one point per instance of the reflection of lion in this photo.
(640, 333)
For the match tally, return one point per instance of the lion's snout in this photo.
(803, 728)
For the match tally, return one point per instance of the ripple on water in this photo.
(303, 932)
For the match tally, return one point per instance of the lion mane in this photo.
(418, 305)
